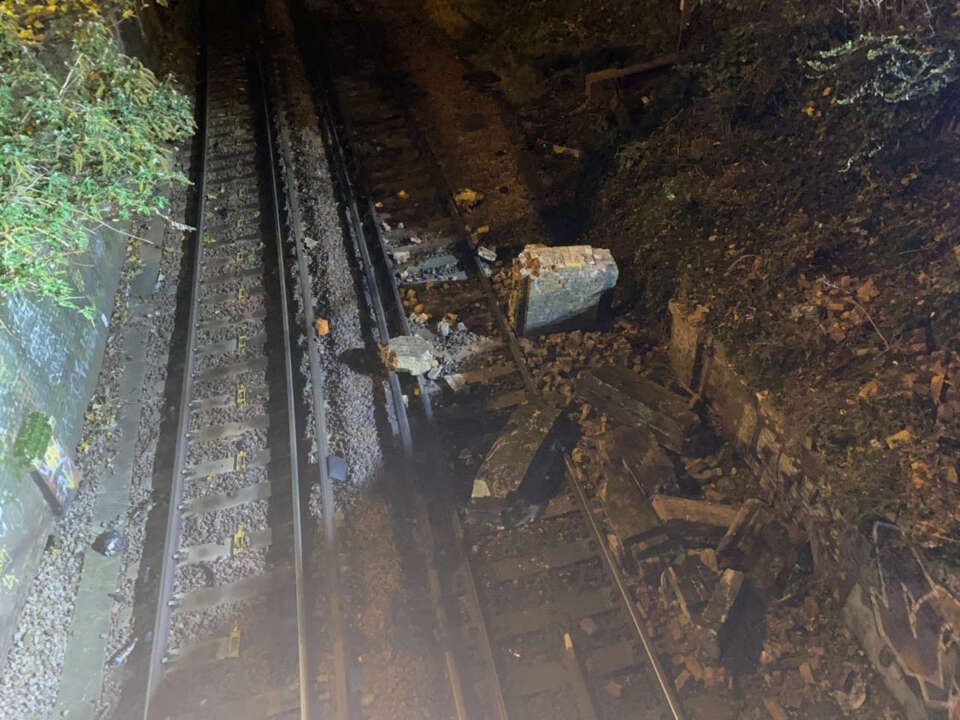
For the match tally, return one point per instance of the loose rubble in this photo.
(410, 354)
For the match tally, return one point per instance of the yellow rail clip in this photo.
(240, 462)
(239, 541)
(233, 646)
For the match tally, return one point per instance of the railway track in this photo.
(230, 633)
(535, 621)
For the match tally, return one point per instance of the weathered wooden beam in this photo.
(595, 80)
(699, 512)
(630, 399)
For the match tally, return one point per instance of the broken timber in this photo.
(596, 80)
(639, 453)
(624, 396)
(636, 527)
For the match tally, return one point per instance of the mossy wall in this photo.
(50, 358)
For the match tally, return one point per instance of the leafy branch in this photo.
(83, 143)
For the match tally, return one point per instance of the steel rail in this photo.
(303, 663)
(573, 476)
(161, 624)
(614, 572)
(499, 701)
(354, 223)
(341, 693)
(443, 183)
(335, 116)
(332, 118)
(165, 602)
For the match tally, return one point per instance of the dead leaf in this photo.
(468, 197)
(936, 388)
(564, 150)
(950, 474)
(869, 390)
(899, 438)
(774, 708)
(868, 291)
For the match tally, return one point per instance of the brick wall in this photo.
(906, 621)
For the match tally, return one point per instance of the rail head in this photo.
(613, 571)
(162, 615)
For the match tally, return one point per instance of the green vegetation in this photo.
(32, 439)
(83, 133)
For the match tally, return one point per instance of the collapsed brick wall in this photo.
(907, 623)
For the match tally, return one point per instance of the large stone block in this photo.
(514, 451)
(558, 288)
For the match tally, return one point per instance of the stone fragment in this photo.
(743, 535)
(693, 521)
(852, 694)
(686, 342)
(559, 288)
(694, 667)
(714, 676)
(774, 708)
(467, 198)
(409, 353)
(588, 626)
(513, 453)
(690, 584)
(756, 544)
(487, 253)
(722, 599)
(455, 381)
(614, 689)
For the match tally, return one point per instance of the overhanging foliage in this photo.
(83, 142)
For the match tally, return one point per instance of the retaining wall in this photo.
(907, 622)
(49, 362)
